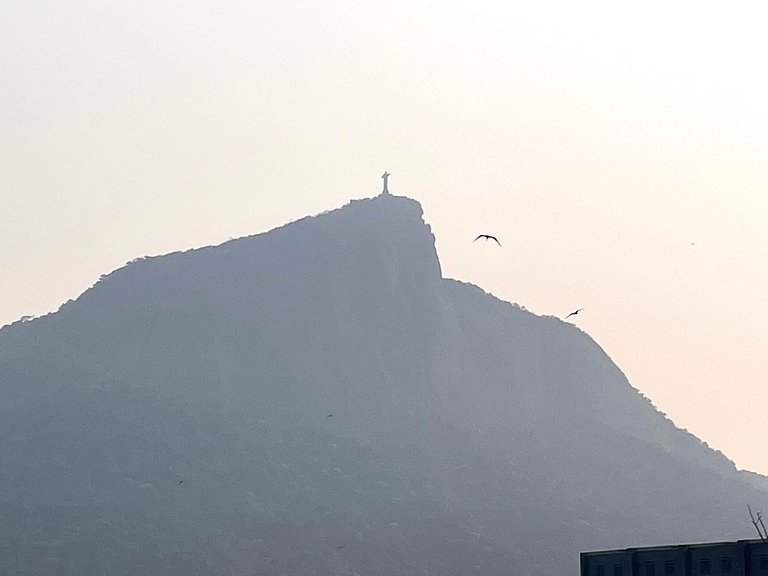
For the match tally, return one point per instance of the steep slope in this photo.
(319, 400)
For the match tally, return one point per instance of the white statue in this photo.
(385, 176)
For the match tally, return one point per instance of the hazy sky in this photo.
(618, 150)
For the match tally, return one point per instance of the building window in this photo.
(725, 564)
(763, 561)
(618, 570)
(669, 567)
(705, 566)
(600, 570)
(650, 569)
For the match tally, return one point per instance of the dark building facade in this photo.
(741, 558)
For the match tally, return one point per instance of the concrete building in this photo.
(740, 558)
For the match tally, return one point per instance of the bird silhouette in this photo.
(487, 237)
(574, 313)
(329, 415)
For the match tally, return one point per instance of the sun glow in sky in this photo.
(617, 150)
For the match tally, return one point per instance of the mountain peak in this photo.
(382, 244)
(321, 383)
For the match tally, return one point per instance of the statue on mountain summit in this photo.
(385, 176)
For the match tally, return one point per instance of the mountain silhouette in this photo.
(468, 435)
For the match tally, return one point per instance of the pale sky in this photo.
(618, 150)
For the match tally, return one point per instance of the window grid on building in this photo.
(731, 558)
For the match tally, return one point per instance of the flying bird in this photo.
(487, 237)
(329, 415)
(574, 313)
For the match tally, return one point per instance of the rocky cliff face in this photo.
(319, 400)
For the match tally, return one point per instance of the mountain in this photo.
(319, 400)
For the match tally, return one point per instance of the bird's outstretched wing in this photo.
(487, 237)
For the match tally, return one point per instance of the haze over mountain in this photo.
(319, 400)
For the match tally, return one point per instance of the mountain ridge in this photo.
(322, 385)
